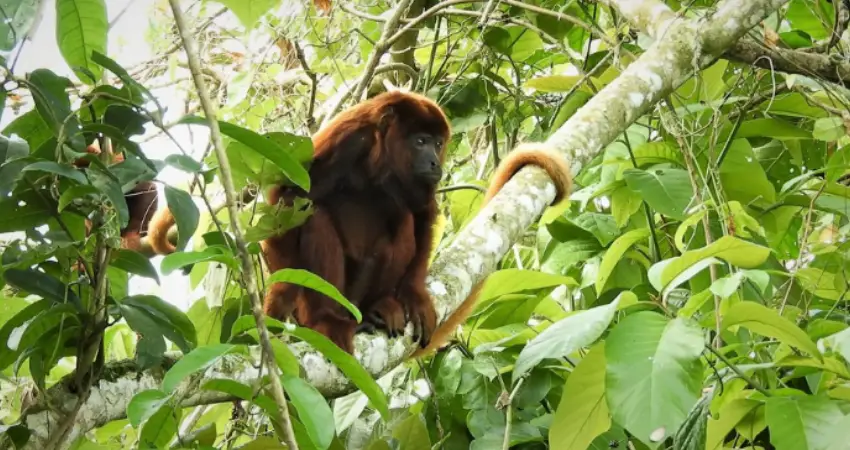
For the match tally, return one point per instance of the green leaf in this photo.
(448, 375)
(312, 281)
(194, 361)
(75, 192)
(730, 415)
(772, 128)
(829, 129)
(513, 281)
(242, 391)
(603, 227)
(218, 253)
(553, 83)
(565, 337)
(667, 191)
(43, 285)
(134, 262)
(185, 212)
(519, 43)
(81, 28)
(348, 365)
(583, 412)
(615, 252)
(264, 146)
(806, 422)
(412, 434)
(742, 176)
(249, 12)
(160, 428)
(654, 374)
(145, 404)
(838, 165)
(20, 16)
(153, 320)
(54, 106)
(313, 410)
(767, 322)
(738, 252)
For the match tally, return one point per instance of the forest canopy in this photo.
(690, 292)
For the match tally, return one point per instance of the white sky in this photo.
(127, 46)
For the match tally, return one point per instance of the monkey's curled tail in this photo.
(160, 224)
(537, 154)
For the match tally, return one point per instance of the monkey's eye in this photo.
(420, 141)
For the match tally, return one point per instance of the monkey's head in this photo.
(412, 135)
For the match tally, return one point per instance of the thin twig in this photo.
(238, 236)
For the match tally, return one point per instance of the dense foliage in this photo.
(690, 294)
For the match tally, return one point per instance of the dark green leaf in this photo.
(180, 329)
(57, 169)
(348, 365)
(12, 148)
(144, 404)
(313, 410)
(74, 193)
(185, 212)
(54, 106)
(134, 262)
(242, 391)
(43, 285)
(667, 191)
(264, 146)
(653, 373)
(160, 428)
(310, 280)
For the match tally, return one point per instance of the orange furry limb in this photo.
(537, 154)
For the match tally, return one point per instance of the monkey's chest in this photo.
(370, 231)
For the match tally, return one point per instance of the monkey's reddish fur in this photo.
(141, 201)
(371, 227)
(371, 231)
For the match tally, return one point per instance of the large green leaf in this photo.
(283, 159)
(667, 191)
(312, 281)
(20, 16)
(806, 423)
(194, 361)
(565, 337)
(653, 374)
(583, 412)
(348, 365)
(516, 42)
(81, 28)
(313, 410)
(670, 273)
(743, 177)
(186, 214)
(768, 322)
(615, 253)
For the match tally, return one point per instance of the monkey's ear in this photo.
(387, 118)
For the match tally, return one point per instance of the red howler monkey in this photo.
(141, 200)
(374, 175)
(537, 154)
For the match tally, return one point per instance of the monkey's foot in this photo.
(339, 330)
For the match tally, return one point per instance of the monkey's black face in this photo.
(426, 150)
